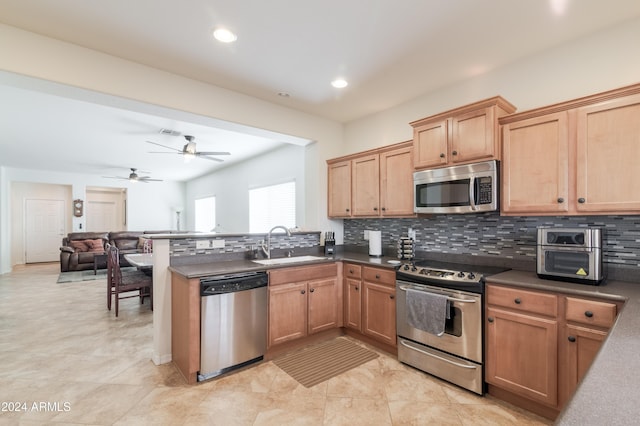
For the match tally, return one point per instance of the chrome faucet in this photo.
(267, 249)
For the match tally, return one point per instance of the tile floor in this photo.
(65, 359)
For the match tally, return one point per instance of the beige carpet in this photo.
(321, 362)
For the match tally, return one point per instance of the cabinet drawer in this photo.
(591, 312)
(302, 273)
(523, 300)
(380, 276)
(352, 271)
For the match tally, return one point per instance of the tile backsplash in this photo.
(489, 234)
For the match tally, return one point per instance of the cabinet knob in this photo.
(351, 271)
(518, 301)
(560, 200)
(588, 314)
(391, 296)
(454, 153)
(383, 209)
(490, 319)
(581, 200)
(357, 288)
(347, 210)
(311, 290)
(302, 292)
(375, 209)
(572, 339)
(442, 155)
(377, 276)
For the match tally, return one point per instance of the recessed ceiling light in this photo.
(283, 94)
(339, 83)
(224, 35)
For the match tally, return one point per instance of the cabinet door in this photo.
(608, 153)
(353, 304)
(396, 182)
(579, 347)
(287, 312)
(339, 187)
(535, 166)
(379, 318)
(472, 136)
(365, 185)
(522, 354)
(430, 144)
(323, 304)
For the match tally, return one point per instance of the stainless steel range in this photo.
(456, 353)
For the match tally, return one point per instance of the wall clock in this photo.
(77, 208)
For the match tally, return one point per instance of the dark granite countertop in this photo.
(199, 270)
(608, 392)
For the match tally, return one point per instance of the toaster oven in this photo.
(570, 254)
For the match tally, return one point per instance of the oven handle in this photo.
(405, 344)
(449, 298)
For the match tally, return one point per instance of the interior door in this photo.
(102, 216)
(45, 229)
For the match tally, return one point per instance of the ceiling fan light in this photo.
(224, 35)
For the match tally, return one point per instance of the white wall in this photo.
(603, 61)
(151, 206)
(230, 187)
(36, 56)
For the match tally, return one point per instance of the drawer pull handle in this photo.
(377, 277)
(572, 339)
(518, 301)
(588, 314)
(581, 200)
(490, 319)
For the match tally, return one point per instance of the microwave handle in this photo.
(472, 193)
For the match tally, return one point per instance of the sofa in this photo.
(79, 249)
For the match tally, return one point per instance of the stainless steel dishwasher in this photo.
(233, 322)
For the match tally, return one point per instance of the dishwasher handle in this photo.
(232, 283)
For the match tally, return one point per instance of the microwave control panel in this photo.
(484, 190)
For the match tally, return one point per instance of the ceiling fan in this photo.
(189, 150)
(134, 177)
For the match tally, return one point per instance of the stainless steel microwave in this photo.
(570, 254)
(468, 188)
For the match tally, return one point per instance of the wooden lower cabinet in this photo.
(370, 305)
(522, 354)
(540, 344)
(379, 312)
(302, 301)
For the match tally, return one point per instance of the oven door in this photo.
(463, 331)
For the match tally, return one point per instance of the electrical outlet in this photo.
(203, 244)
(411, 233)
(217, 243)
(366, 234)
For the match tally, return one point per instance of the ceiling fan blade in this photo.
(219, 160)
(148, 179)
(115, 177)
(165, 146)
(212, 153)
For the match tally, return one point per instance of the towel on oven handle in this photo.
(427, 311)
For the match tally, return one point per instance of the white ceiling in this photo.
(390, 51)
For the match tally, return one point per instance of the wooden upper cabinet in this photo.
(373, 183)
(574, 158)
(535, 165)
(396, 182)
(365, 189)
(463, 135)
(339, 179)
(608, 156)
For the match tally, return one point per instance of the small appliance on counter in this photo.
(406, 248)
(570, 254)
(375, 243)
(329, 243)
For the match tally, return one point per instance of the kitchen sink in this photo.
(286, 260)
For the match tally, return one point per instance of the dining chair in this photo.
(119, 283)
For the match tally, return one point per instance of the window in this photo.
(205, 219)
(272, 205)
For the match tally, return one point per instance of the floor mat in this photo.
(321, 362)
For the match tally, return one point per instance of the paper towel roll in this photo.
(375, 243)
